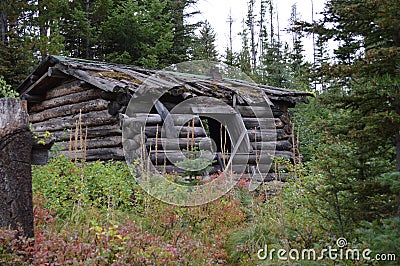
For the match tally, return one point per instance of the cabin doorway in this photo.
(219, 134)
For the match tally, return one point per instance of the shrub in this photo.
(6, 91)
(67, 185)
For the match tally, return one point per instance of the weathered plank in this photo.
(65, 110)
(16, 207)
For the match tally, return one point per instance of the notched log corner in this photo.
(40, 150)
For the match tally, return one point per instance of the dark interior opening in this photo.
(216, 131)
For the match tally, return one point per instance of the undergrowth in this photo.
(95, 214)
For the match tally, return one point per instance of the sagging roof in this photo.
(124, 78)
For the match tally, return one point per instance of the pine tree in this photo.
(138, 34)
(48, 19)
(204, 45)
(77, 29)
(183, 32)
(16, 44)
(361, 129)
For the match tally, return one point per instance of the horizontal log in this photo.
(88, 119)
(267, 135)
(65, 89)
(84, 107)
(252, 159)
(115, 141)
(198, 131)
(247, 111)
(269, 176)
(264, 160)
(97, 154)
(266, 168)
(77, 97)
(93, 132)
(239, 159)
(174, 169)
(251, 122)
(168, 156)
(171, 143)
(154, 119)
(283, 145)
(151, 119)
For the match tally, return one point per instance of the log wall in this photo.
(74, 103)
(277, 141)
(98, 111)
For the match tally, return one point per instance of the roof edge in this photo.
(40, 70)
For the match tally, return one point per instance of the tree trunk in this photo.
(16, 209)
(3, 25)
(397, 110)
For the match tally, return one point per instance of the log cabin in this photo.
(63, 90)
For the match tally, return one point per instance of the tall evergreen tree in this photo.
(362, 95)
(138, 34)
(77, 29)
(204, 44)
(183, 32)
(47, 19)
(16, 44)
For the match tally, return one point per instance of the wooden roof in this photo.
(124, 78)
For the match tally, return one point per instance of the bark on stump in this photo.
(16, 209)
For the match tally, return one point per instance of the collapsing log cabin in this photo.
(63, 90)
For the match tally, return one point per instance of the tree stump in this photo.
(16, 209)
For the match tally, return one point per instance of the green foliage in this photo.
(193, 164)
(15, 41)
(382, 237)
(183, 28)
(140, 32)
(6, 91)
(83, 216)
(204, 45)
(41, 138)
(353, 126)
(68, 185)
(152, 33)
